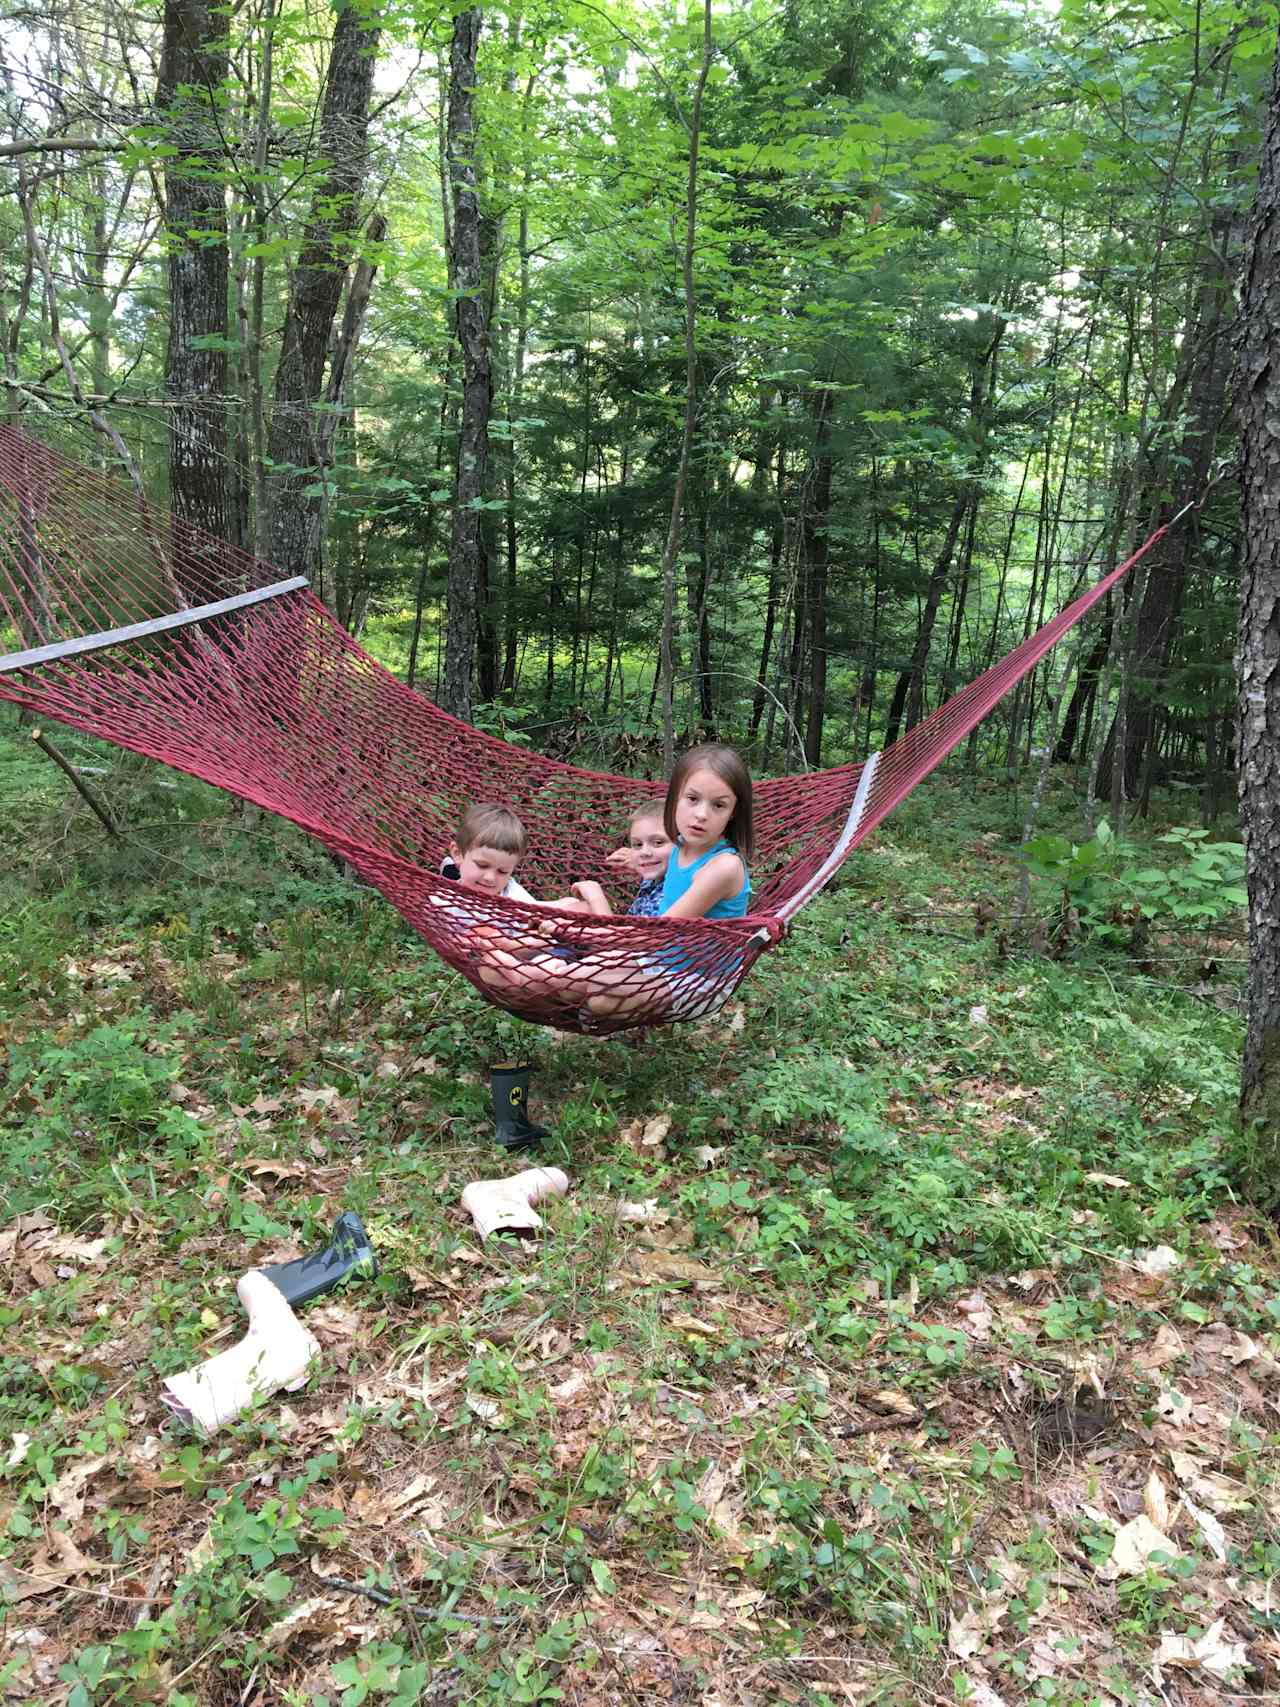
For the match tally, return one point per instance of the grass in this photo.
(864, 1413)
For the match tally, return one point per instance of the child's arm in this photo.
(592, 896)
(720, 878)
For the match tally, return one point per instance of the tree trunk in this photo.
(468, 568)
(910, 688)
(193, 69)
(775, 584)
(1159, 615)
(1259, 654)
(672, 547)
(294, 444)
(815, 554)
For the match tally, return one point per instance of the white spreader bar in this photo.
(835, 858)
(139, 630)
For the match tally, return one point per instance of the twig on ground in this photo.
(432, 1614)
(873, 1424)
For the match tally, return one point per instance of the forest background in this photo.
(881, 330)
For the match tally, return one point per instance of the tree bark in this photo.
(193, 69)
(815, 553)
(468, 567)
(1259, 652)
(293, 446)
(672, 547)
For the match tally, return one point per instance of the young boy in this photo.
(645, 856)
(489, 844)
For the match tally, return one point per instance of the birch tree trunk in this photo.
(1259, 653)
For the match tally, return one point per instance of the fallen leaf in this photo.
(1135, 1542)
(1218, 1492)
(1155, 1501)
(1213, 1532)
(655, 1130)
(1159, 1262)
(263, 1104)
(1209, 1652)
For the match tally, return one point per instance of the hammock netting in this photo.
(266, 696)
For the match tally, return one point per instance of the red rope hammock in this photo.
(186, 650)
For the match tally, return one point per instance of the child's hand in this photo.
(622, 859)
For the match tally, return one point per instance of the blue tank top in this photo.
(678, 882)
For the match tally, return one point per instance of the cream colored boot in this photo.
(506, 1205)
(276, 1352)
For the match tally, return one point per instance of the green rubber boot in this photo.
(509, 1088)
(348, 1252)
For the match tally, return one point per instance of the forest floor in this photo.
(945, 1369)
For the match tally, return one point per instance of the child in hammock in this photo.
(489, 844)
(645, 856)
(707, 816)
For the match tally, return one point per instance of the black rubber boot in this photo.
(509, 1088)
(348, 1252)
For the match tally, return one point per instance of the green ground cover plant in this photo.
(946, 1366)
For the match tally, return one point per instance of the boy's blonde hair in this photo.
(650, 809)
(488, 826)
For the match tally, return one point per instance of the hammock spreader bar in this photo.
(835, 859)
(59, 649)
(280, 706)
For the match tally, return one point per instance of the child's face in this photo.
(650, 846)
(704, 808)
(488, 870)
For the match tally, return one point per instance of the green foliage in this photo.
(1111, 882)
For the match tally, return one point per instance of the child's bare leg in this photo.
(613, 990)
